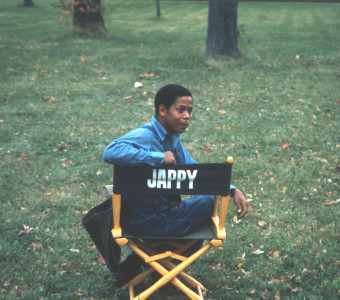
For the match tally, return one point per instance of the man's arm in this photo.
(240, 203)
(134, 148)
(128, 154)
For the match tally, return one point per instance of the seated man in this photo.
(158, 143)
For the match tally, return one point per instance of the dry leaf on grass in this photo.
(331, 202)
(26, 230)
(237, 220)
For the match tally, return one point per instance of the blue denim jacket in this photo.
(145, 145)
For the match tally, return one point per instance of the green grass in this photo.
(63, 100)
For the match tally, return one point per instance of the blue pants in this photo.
(164, 217)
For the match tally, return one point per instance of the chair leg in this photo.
(169, 265)
(138, 279)
(131, 292)
(190, 280)
(168, 276)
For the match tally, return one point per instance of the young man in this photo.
(158, 143)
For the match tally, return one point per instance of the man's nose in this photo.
(187, 115)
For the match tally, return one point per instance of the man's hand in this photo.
(240, 203)
(169, 158)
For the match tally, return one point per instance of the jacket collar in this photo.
(161, 132)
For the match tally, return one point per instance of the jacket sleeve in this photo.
(133, 149)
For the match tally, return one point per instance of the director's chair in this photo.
(190, 179)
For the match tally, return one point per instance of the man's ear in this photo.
(162, 110)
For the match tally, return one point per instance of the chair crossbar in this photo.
(158, 256)
(169, 265)
(169, 276)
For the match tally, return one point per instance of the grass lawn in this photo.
(63, 98)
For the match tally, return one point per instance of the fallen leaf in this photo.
(222, 112)
(61, 146)
(331, 202)
(82, 58)
(277, 296)
(128, 97)
(79, 292)
(207, 149)
(237, 220)
(145, 75)
(258, 251)
(262, 223)
(265, 296)
(285, 146)
(49, 99)
(321, 159)
(26, 230)
(101, 260)
(74, 250)
(226, 287)
(35, 246)
(23, 156)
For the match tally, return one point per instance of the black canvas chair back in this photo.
(189, 179)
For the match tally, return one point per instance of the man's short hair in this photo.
(168, 94)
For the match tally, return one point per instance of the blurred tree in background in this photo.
(222, 29)
(87, 16)
(28, 3)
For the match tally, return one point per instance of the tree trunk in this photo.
(158, 8)
(88, 19)
(28, 3)
(222, 29)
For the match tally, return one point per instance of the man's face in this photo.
(176, 118)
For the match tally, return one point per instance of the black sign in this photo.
(189, 179)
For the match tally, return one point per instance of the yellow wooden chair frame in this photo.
(162, 262)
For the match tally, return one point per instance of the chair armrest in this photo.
(219, 217)
(116, 208)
